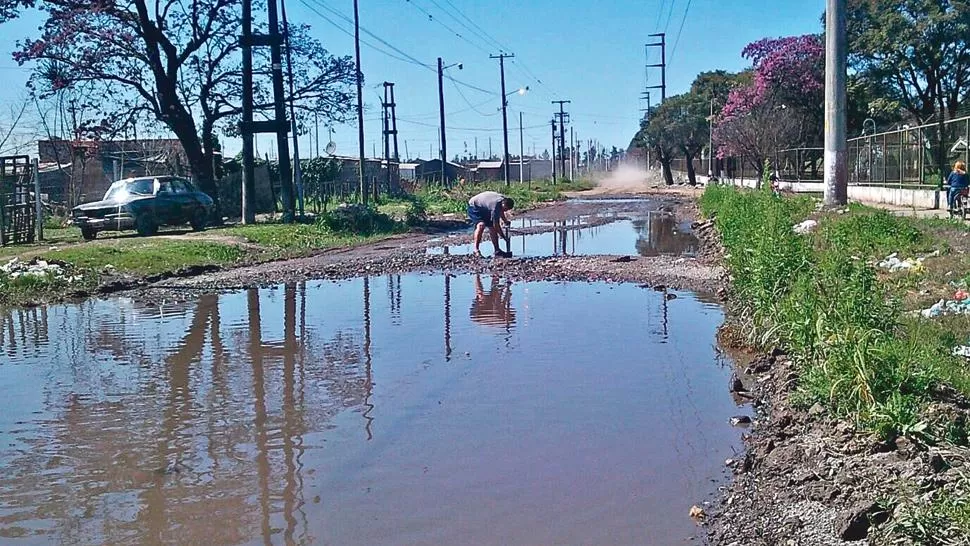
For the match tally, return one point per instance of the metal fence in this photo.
(17, 200)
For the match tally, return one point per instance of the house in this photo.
(430, 171)
(490, 170)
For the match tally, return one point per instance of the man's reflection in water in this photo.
(493, 307)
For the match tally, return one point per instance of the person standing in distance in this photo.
(488, 210)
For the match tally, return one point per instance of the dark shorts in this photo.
(479, 214)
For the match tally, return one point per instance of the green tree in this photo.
(915, 51)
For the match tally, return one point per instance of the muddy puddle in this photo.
(647, 233)
(416, 409)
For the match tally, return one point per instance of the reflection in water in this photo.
(256, 418)
(659, 234)
(494, 307)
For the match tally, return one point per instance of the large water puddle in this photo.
(394, 410)
(655, 233)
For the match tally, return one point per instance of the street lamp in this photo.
(441, 106)
(519, 91)
(868, 120)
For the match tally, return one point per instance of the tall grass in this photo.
(819, 296)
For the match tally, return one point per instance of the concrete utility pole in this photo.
(360, 106)
(505, 118)
(836, 147)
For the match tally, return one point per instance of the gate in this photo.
(16, 201)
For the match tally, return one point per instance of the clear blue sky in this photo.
(591, 53)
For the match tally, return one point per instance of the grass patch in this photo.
(820, 296)
(859, 353)
(149, 256)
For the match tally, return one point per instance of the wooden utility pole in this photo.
(836, 147)
(521, 153)
(279, 101)
(297, 168)
(553, 122)
(562, 135)
(246, 126)
(505, 118)
(662, 65)
(360, 106)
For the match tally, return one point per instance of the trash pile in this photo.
(36, 268)
(959, 305)
(894, 264)
(807, 226)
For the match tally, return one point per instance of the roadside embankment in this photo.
(863, 411)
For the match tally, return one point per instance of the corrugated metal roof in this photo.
(490, 165)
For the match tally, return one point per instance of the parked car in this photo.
(144, 204)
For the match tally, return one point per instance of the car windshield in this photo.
(120, 190)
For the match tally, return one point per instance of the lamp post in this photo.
(441, 106)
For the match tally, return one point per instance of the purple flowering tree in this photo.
(781, 107)
(176, 62)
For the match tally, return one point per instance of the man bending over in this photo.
(489, 209)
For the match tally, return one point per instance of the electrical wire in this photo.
(446, 27)
(670, 15)
(680, 30)
(406, 57)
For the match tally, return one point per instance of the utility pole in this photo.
(360, 105)
(572, 154)
(282, 128)
(505, 118)
(521, 153)
(476, 147)
(297, 168)
(397, 156)
(389, 107)
(441, 108)
(316, 123)
(553, 149)
(277, 125)
(662, 44)
(246, 127)
(490, 156)
(562, 135)
(387, 137)
(836, 52)
(710, 142)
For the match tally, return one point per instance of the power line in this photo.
(406, 57)
(475, 129)
(464, 98)
(481, 30)
(660, 14)
(670, 15)
(681, 30)
(446, 27)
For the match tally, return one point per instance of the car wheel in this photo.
(88, 234)
(146, 226)
(199, 219)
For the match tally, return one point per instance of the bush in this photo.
(357, 219)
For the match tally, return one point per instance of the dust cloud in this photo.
(626, 179)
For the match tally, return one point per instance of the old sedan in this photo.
(144, 204)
